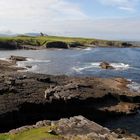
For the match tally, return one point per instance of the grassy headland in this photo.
(42, 41)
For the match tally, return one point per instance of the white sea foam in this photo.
(120, 66)
(88, 49)
(33, 68)
(37, 60)
(133, 86)
(117, 66)
(30, 64)
(5, 59)
(20, 64)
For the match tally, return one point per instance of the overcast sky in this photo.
(107, 19)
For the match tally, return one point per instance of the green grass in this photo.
(32, 134)
(42, 40)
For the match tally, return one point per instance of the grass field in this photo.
(32, 134)
(42, 40)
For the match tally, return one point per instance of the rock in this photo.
(123, 108)
(43, 123)
(106, 65)
(126, 44)
(122, 80)
(10, 81)
(45, 79)
(75, 44)
(52, 132)
(28, 66)
(78, 128)
(17, 58)
(57, 44)
(10, 45)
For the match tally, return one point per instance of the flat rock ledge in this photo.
(78, 128)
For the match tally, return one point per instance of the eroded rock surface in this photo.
(78, 128)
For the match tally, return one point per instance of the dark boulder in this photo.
(57, 44)
(17, 58)
(106, 65)
(125, 44)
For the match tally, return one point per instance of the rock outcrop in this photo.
(17, 58)
(78, 128)
(57, 44)
(106, 65)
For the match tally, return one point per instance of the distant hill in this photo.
(6, 35)
(34, 34)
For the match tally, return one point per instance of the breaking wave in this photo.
(117, 66)
(134, 86)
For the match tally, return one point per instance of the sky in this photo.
(105, 19)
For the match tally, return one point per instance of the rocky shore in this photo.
(26, 98)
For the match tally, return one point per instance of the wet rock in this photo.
(122, 80)
(28, 66)
(45, 79)
(106, 65)
(17, 58)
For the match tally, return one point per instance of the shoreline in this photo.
(22, 92)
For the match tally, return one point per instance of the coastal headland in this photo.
(43, 42)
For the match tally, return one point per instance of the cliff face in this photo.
(8, 45)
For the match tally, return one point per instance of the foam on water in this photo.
(5, 59)
(88, 49)
(30, 65)
(133, 86)
(120, 66)
(37, 60)
(33, 68)
(117, 66)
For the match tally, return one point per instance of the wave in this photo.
(37, 60)
(88, 49)
(120, 66)
(5, 59)
(27, 68)
(117, 66)
(33, 68)
(133, 86)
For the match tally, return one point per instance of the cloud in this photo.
(63, 17)
(31, 9)
(36, 15)
(127, 5)
(101, 28)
